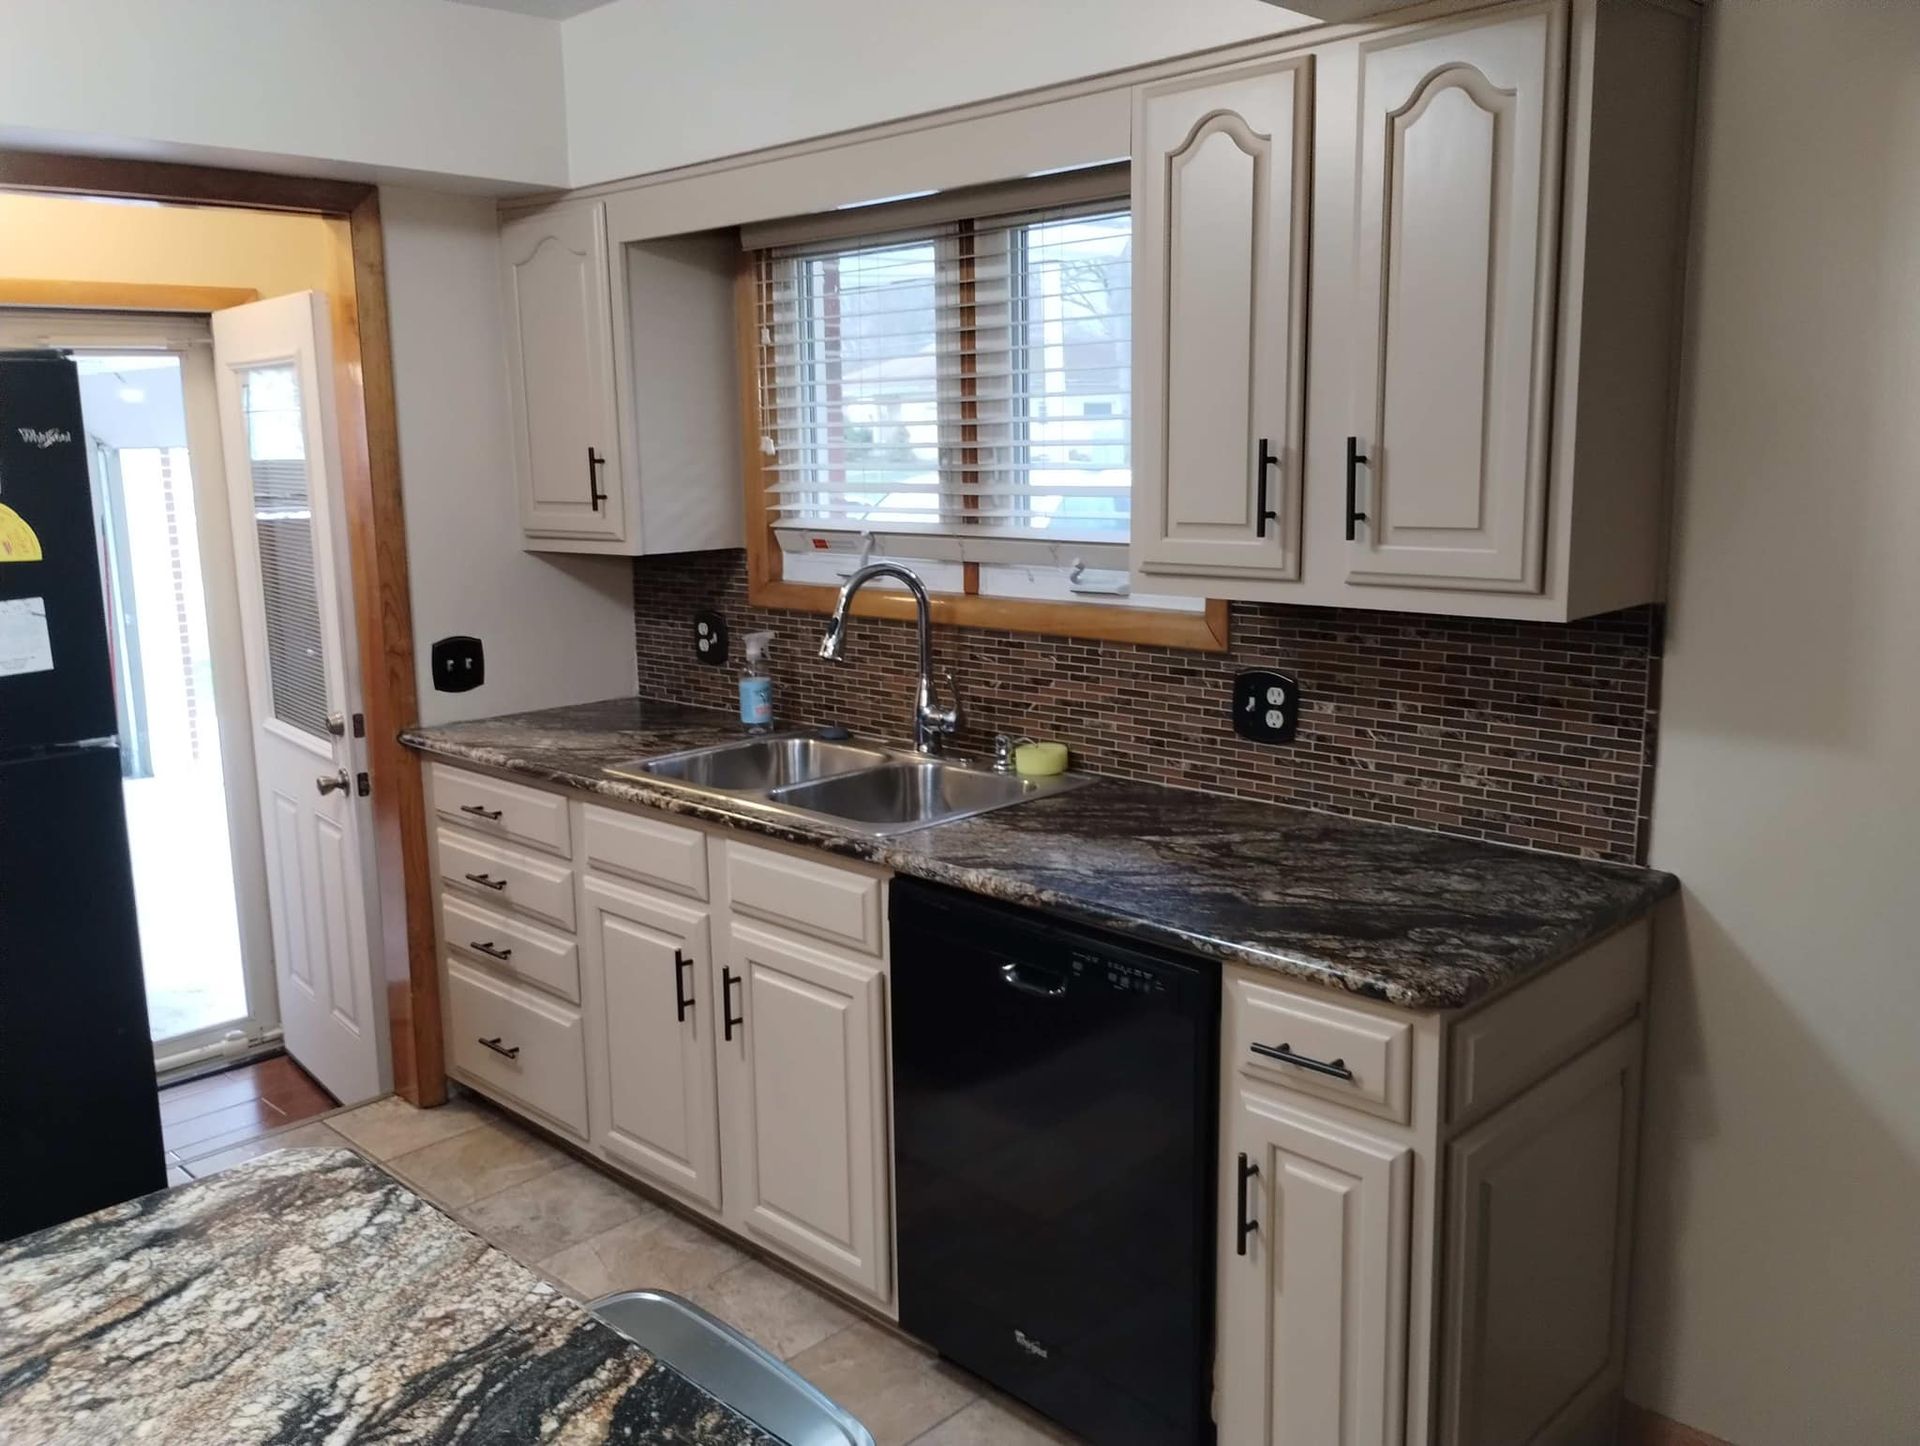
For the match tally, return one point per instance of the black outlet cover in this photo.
(459, 665)
(710, 638)
(1266, 706)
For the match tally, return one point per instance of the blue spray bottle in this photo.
(756, 688)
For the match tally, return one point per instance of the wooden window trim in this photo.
(1203, 632)
(376, 525)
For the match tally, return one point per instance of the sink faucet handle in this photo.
(1003, 747)
(950, 715)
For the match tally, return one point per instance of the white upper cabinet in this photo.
(1458, 213)
(1494, 209)
(624, 395)
(566, 430)
(1220, 168)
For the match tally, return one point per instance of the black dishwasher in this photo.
(1054, 1134)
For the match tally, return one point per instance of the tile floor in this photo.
(211, 1122)
(590, 1234)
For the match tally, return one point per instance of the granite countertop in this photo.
(1413, 918)
(309, 1297)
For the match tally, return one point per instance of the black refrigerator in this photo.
(79, 1112)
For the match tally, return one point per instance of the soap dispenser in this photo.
(756, 688)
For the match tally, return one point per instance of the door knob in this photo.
(338, 783)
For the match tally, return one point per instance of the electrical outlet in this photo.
(459, 664)
(710, 638)
(1266, 706)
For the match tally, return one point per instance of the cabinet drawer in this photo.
(668, 855)
(797, 893)
(535, 1052)
(503, 875)
(1321, 1048)
(511, 944)
(499, 809)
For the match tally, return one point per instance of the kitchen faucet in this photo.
(930, 723)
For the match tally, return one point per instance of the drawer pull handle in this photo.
(490, 949)
(486, 882)
(682, 999)
(505, 1051)
(1337, 1068)
(491, 815)
(1245, 1226)
(727, 1017)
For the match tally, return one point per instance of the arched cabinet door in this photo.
(1452, 305)
(1220, 209)
(566, 437)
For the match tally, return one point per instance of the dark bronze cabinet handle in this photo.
(491, 815)
(682, 1000)
(505, 1051)
(1356, 459)
(1263, 514)
(728, 1018)
(1245, 1226)
(1337, 1068)
(594, 463)
(486, 881)
(490, 949)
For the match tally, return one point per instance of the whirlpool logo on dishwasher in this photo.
(44, 438)
(1028, 1344)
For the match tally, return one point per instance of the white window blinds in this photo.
(968, 382)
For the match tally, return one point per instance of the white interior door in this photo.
(277, 426)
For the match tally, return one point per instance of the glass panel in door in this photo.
(283, 523)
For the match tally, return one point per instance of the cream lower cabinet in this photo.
(803, 1072)
(1313, 1324)
(1424, 1218)
(651, 1010)
(704, 1013)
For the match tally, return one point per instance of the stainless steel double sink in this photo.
(854, 785)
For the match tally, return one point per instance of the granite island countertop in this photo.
(1417, 919)
(307, 1296)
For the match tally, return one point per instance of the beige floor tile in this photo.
(392, 1127)
(992, 1423)
(898, 1391)
(658, 1252)
(476, 1163)
(544, 1215)
(313, 1135)
(775, 1310)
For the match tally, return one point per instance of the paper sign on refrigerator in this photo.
(25, 646)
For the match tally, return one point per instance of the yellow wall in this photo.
(57, 238)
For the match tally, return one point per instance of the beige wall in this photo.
(389, 90)
(62, 239)
(1777, 1296)
(557, 629)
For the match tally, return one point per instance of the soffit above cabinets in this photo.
(550, 9)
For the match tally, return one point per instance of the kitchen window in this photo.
(955, 395)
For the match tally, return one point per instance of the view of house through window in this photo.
(957, 396)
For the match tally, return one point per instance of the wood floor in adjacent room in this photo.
(211, 1122)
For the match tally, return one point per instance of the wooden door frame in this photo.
(376, 529)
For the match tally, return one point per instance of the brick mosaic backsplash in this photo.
(1537, 734)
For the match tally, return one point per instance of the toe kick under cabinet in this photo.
(702, 1011)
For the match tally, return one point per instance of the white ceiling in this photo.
(552, 9)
